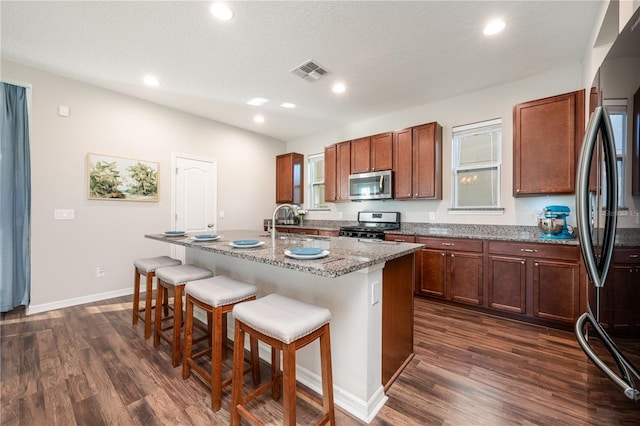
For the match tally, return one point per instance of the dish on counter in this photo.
(246, 243)
(174, 233)
(205, 237)
(298, 253)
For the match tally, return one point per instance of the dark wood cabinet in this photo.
(546, 141)
(622, 293)
(450, 269)
(417, 162)
(402, 238)
(337, 167)
(290, 178)
(372, 153)
(537, 280)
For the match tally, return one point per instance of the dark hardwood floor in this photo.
(88, 365)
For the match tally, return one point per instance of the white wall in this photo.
(65, 253)
(494, 102)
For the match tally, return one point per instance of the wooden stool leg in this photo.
(136, 295)
(255, 360)
(327, 374)
(216, 359)
(188, 338)
(147, 305)
(275, 373)
(238, 359)
(177, 324)
(289, 385)
(160, 297)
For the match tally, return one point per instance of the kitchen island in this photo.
(367, 285)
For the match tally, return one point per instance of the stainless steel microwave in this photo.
(371, 186)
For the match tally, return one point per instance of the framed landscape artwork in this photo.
(119, 178)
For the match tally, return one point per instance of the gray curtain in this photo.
(15, 198)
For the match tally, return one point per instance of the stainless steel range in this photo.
(371, 225)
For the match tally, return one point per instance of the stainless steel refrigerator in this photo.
(608, 219)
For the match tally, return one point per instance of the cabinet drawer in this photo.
(452, 244)
(626, 256)
(400, 237)
(542, 251)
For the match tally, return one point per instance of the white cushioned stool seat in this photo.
(147, 267)
(150, 264)
(182, 274)
(281, 317)
(220, 290)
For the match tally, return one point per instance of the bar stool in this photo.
(217, 296)
(173, 279)
(147, 267)
(287, 325)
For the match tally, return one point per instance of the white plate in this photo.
(213, 238)
(174, 233)
(325, 253)
(259, 243)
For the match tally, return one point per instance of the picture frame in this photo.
(120, 178)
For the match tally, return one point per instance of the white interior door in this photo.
(194, 197)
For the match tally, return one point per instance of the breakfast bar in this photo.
(367, 285)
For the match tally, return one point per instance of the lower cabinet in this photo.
(622, 293)
(537, 280)
(450, 269)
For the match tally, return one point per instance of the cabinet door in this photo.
(330, 173)
(382, 152)
(465, 278)
(427, 161)
(507, 284)
(556, 290)
(289, 178)
(547, 136)
(343, 169)
(403, 164)
(623, 298)
(432, 269)
(400, 238)
(361, 155)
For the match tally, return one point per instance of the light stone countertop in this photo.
(346, 255)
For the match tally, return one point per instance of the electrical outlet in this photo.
(100, 271)
(432, 215)
(375, 292)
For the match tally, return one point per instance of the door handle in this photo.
(210, 225)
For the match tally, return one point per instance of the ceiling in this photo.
(392, 55)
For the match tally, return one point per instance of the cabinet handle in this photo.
(535, 264)
(448, 244)
(529, 250)
(452, 255)
(522, 262)
(633, 256)
(442, 254)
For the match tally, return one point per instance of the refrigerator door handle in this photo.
(597, 270)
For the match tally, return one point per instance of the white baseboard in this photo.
(36, 309)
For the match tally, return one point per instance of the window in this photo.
(617, 109)
(316, 182)
(476, 165)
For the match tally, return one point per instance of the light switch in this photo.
(63, 110)
(64, 214)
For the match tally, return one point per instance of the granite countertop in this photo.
(346, 255)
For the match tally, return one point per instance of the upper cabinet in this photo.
(372, 153)
(417, 162)
(337, 167)
(547, 135)
(290, 178)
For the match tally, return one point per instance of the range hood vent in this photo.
(310, 71)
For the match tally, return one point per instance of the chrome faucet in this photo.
(273, 220)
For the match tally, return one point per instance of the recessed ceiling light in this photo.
(221, 11)
(258, 119)
(150, 80)
(257, 101)
(494, 27)
(339, 88)
(287, 105)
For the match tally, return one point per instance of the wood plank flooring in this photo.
(87, 365)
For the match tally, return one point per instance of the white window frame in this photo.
(314, 184)
(619, 107)
(486, 126)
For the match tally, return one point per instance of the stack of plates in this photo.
(306, 253)
(205, 237)
(246, 243)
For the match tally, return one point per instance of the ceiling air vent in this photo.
(310, 71)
